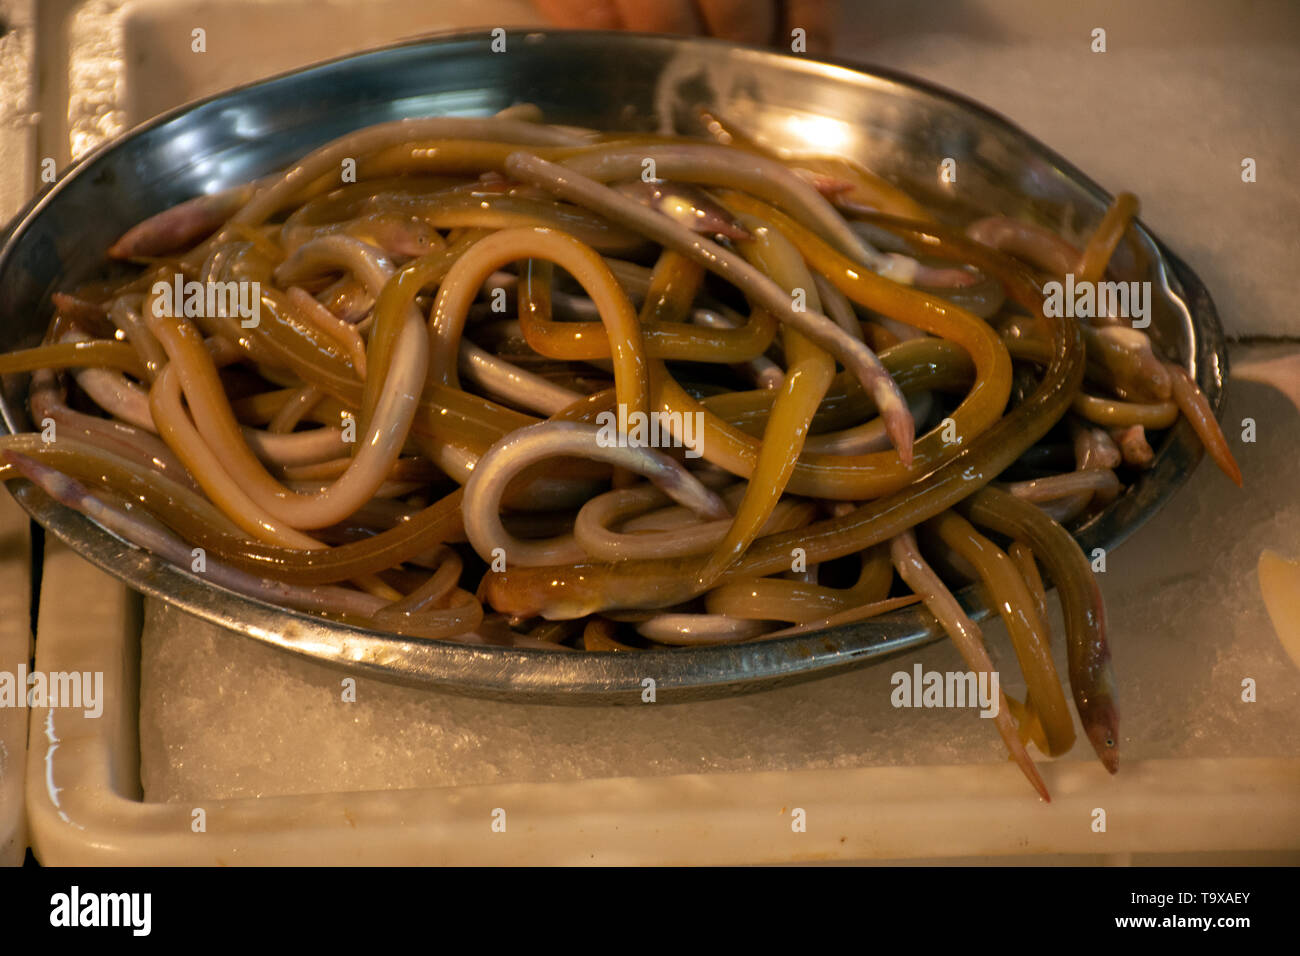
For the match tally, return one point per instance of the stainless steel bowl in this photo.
(900, 127)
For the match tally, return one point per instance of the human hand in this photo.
(743, 21)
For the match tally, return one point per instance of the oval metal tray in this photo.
(900, 127)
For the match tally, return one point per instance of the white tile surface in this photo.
(1183, 93)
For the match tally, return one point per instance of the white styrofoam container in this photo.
(84, 803)
(15, 658)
